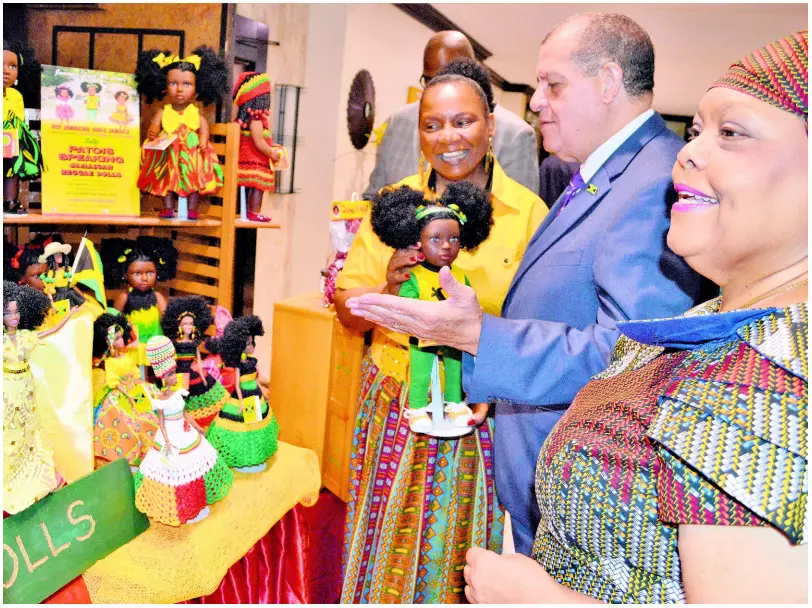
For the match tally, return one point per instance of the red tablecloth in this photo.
(297, 562)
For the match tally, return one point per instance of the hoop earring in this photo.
(421, 163)
(489, 156)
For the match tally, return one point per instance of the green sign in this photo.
(58, 538)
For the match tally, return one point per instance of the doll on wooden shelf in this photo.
(56, 278)
(29, 472)
(252, 98)
(189, 166)
(92, 90)
(461, 219)
(182, 473)
(185, 322)
(64, 109)
(122, 426)
(122, 115)
(19, 65)
(245, 431)
(141, 263)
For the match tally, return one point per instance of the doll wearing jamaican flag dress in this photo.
(189, 166)
(19, 64)
(185, 322)
(246, 440)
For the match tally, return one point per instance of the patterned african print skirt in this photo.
(182, 168)
(254, 169)
(417, 503)
(28, 164)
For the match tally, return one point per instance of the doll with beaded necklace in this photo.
(185, 322)
(29, 472)
(245, 444)
(19, 65)
(120, 430)
(182, 473)
(189, 166)
(460, 219)
(252, 98)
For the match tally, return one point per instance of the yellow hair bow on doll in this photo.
(166, 60)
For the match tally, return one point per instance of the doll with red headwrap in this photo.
(252, 98)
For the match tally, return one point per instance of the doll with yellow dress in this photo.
(122, 115)
(19, 66)
(122, 427)
(29, 473)
(188, 167)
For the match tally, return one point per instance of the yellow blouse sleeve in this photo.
(366, 261)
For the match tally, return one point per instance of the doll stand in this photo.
(243, 204)
(183, 208)
(257, 468)
(441, 425)
(204, 513)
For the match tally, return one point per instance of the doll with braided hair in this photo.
(20, 67)
(252, 100)
(185, 322)
(460, 219)
(189, 166)
(120, 428)
(29, 472)
(245, 431)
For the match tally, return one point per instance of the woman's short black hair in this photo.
(86, 85)
(177, 308)
(102, 325)
(231, 345)
(211, 79)
(452, 78)
(394, 214)
(33, 305)
(474, 70)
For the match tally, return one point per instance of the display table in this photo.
(168, 565)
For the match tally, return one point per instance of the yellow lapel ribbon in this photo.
(164, 60)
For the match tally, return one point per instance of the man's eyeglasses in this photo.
(424, 80)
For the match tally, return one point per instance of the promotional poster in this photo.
(90, 142)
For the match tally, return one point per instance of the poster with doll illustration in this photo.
(90, 142)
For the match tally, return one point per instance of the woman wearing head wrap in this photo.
(680, 473)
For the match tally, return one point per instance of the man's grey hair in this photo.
(614, 37)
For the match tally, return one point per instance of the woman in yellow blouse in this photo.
(418, 502)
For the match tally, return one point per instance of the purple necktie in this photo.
(575, 186)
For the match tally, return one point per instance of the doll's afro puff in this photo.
(32, 305)
(28, 68)
(211, 79)
(235, 336)
(394, 214)
(177, 308)
(117, 254)
(102, 325)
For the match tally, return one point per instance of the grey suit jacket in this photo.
(514, 144)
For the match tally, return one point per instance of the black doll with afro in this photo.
(231, 345)
(32, 305)
(211, 78)
(195, 307)
(101, 328)
(399, 215)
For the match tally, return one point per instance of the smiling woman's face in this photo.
(742, 184)
(454, 130)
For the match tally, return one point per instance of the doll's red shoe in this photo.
(257, 217)
(166, 214)
(192, 215)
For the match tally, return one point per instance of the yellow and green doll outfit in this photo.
(424, 284)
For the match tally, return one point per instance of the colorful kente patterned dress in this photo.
(174, 489)
(241, 443)
(119, 431)
(206, 397)
(254, 169)
(146, 322)
(28, 164)
(183, 167)
(29, 473)
(700, 419)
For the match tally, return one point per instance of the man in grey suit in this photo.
(598, 258)
(514, 141)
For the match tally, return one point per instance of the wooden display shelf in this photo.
(241, 223)
(37, 218)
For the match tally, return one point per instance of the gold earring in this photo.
(421, 163)
(489, 156)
